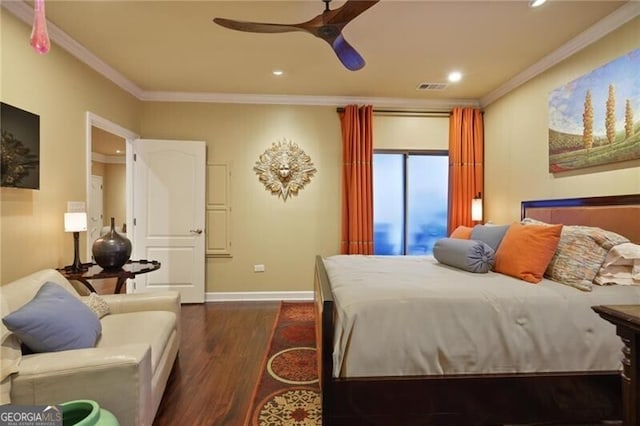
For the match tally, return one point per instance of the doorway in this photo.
(109, 159)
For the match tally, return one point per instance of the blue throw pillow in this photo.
(54, 321)
(469, 255)
(491, 235)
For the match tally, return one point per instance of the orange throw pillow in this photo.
(526, 250)
(461, 233)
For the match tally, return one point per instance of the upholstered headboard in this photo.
(617, 213)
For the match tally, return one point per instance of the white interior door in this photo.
(168, 210)
(96, 212)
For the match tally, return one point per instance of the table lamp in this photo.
(76, 223)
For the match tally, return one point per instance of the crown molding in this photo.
(234, 98)
(616, 19)
(107, 159)
(619, 17)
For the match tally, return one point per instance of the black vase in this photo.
(111, 250)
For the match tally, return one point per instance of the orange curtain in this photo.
(357, 180)
(466, 169)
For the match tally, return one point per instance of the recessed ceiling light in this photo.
(118, 151)
(536, 3)
(455, 76)
(277, 72)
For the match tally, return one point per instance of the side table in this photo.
(94, 271)
(626, 318)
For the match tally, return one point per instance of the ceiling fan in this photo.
(327, 26)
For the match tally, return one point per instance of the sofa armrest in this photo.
(118, 378)
(152, 301)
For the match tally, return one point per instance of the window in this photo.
(410, 193)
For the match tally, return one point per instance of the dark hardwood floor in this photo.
(221, 353)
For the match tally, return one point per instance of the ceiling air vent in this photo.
(431, 86)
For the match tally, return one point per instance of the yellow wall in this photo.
(283, 235)
(97, 168)
(60, 90)
(410, 133)
(516, 138)
(114, 194)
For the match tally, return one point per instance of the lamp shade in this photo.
(75, 222)
(476, 209)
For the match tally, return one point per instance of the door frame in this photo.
(90, 208)
(94, 120)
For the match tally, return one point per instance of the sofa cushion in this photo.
(10, 355)
(54, 320)
(151, 327)
(19, 292)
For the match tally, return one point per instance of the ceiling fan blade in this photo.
(347, 54)
(349, 11)
(257, 27)
(327, 26)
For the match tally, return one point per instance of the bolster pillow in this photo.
(469, 255)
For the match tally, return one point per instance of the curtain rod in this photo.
(392, 112)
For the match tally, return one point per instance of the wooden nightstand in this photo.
(626, 318)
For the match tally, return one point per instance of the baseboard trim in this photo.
(256, 296)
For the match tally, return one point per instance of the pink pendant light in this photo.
(39, 36)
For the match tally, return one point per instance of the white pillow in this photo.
(621, 266)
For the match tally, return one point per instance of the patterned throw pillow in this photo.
(580, 253)
(97, 304)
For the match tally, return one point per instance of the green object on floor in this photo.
(84, 412)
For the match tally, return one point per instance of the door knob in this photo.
(196, 231)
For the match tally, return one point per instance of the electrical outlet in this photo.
(258, 268)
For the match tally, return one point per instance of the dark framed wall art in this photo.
(20, 148)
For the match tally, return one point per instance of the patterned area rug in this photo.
(287, 393)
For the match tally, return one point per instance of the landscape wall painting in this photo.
(595, 119)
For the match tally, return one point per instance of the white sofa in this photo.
(127, 371)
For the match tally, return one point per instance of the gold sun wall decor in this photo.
(284, 168)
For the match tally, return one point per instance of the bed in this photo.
(588, 391)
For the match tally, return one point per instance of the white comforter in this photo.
(408, 315)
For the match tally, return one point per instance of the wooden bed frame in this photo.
(569, 398)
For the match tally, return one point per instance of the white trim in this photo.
(107, 159)
(616, 19)
(257, 296)
(93, 120)
(621, 16)
(235, 98)
(109, 126)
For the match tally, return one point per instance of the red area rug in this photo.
(287, 392)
